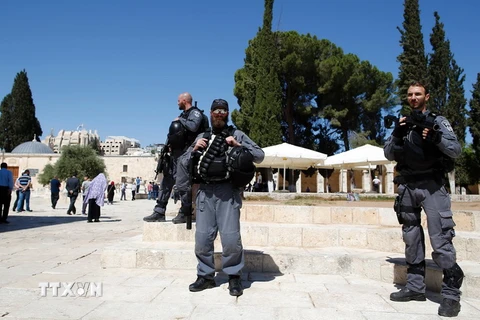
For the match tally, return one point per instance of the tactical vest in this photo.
(212, 163)
(419, 157)
(204, 125)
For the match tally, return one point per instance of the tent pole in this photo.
(284, 176)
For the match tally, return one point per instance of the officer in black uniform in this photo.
(424, 144)
(182, 132)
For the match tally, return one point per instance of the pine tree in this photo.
(25, 125)
(438, 67)
(413, 62)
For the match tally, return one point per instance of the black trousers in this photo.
(54, 197)
(93, 210)
(5, 199)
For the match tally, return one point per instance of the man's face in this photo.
(181, 102)
(417, 99)
(219, 118)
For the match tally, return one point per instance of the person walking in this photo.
(424, 144)
(219, 199)
(73, 188)
(111, 192)
(6, 187)
(95, 197)
(85, 186)
(123, 189)
(54, 191)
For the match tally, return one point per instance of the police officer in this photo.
(422, 155)
(182, 132)
(219, 201)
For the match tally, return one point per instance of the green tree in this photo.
(265, 128)
(467, 169)
(47, 174)
(80, 160)
(258, 90)
(413, 62)
(455, 109)
(6, 123)
(95, 145)
(352, 95)
(474, 119)
(438, 67)
(25, 125)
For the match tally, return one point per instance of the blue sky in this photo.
(118, 66)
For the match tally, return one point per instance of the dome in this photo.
(32, 147)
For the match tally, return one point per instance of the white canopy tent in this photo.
(366, 155)
(289, 156)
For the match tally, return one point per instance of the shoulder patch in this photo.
(196, 113)
(447, 125)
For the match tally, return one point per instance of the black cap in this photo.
(219, 104)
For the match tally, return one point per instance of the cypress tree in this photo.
(25, 124)
(265, 128)
(413, 62)
(6, 122)
(474, 120)
(455, 109)
(438, 67)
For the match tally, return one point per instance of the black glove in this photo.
(399, 131)
(434, 136)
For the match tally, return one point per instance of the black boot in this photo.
(235, 286)
(155, 217)
(449, 308)
(202, 284)
(407, 295)
(180, 218)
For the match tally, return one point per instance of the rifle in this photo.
(163, 160)
(416, 118)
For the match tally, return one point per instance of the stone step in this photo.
(465, 220)
(389, 239)
(371, 264)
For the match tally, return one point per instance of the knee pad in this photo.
(453, 277)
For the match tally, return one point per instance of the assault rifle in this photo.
(163, 160)
(416, 118)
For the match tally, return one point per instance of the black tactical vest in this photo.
(204, 125)
(211, 165)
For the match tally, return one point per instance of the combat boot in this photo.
(180, 218)
(155, 217)
(449, 308)
(235, 286)
(407, 295)
(201, 284)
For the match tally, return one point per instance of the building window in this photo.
(125, 168)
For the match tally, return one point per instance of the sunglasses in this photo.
(219, 111)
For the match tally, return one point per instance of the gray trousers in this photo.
(435, 201)
(218, 210)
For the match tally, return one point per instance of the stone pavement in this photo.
(49, 246)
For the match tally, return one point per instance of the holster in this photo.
(397, 207)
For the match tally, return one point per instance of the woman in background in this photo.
(95, 197)
(111, 192)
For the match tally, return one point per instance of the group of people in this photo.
(198, 153)
(22, 186)
(93, 193)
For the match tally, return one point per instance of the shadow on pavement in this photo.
(22, 222)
